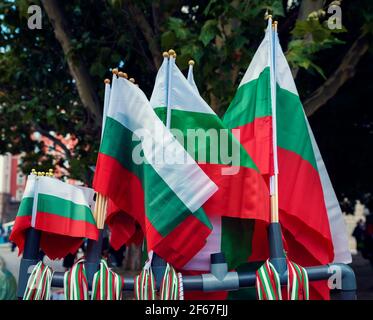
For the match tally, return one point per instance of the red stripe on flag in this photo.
(53, 223)
(126, 190)
(18, 235)
(240, 195)
(256, 138)
(176, 247)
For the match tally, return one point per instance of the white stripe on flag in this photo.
(57, 188)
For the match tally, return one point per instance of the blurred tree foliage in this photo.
(40, 90)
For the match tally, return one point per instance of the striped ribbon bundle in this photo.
(107, 285)
(269, 287)
(39, 283)
(144, 285)
(172, 285)
(75, 282)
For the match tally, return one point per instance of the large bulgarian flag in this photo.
(243, 195)
(310, 216)
(61, 211)
(150, 179)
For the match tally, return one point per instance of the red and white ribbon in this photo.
(75, 282)
(269, 287)
(39, 283)
(107, 285)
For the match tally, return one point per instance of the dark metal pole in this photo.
(276, 248)
(158, 268)
(93, 257)
(30, 258)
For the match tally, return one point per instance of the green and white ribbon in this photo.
(171, 287)
(39, 283)
(107, 285)
(269, 287)
(144, 285)
(75, 282)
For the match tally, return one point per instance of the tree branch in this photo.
(147, 31)
(344, 72)
(55, 140)
(77, 68)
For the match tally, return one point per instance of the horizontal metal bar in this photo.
(246, 279)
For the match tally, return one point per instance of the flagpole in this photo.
(274, 178)
(157, 263)
(172, 57)
(276, 248)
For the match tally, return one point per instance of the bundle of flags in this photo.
(60, 211)
(192, 184)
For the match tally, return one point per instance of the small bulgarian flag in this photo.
(150, 179)
(310, 215)
(60, 210)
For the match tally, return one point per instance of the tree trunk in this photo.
(76, 65)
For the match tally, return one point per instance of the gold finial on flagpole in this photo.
(165, 54)
(122, 75)
(50, 172)
(33, 171)
(269, 17)
(107, 81)
(115, 71)
(191, 62)
(39, 173)
(172, 53)
(132, 80)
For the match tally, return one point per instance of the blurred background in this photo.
(55, 55)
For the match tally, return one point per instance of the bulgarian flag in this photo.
(150, 179)
(309, 213)
(243, 194)
(60, 210)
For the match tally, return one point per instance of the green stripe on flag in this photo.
(252, 100)
(25, 207)
(214, 136)
(64, 208)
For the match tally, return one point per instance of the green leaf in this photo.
(209, 31)
(168, 39)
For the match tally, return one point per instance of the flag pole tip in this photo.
(122, 75)
(107, 81)
(269, 16)
(165, 54)
(132, 80)
(171, 52)
(191, 62)
(115, 71)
